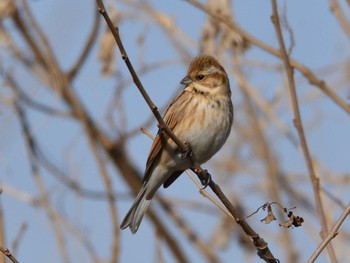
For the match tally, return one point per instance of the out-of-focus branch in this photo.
(265, 153)
(188, 232)
(179, 39)
(112, 209)
(37, 105)
(27, 135)
(339, 14)
(19, 237)
(262, 247)
(332, 234)
(308, 74)
(315, 180)
(87, 48)
(25, 32)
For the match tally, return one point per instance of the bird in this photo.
(200, 115)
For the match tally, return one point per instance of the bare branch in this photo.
(8, 254)
(332, 234)
(87, 48)
(339, 14)
(314, 178)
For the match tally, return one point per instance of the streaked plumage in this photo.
(201, 115)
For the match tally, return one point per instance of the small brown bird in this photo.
(200, 115)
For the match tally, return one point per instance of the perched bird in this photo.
(200, 115)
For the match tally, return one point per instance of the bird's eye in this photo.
(200, 77)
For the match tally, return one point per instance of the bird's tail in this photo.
(136, 212)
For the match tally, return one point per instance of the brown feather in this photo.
(160, 140)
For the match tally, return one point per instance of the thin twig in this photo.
(267, 155)
(8, 254)
(87, 48)
(315, 180)
(102, 167)
(25, 98)
(115, 32)
(19, 237)
(52, 216)
(332, 234)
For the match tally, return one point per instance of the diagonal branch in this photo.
(8, 254)
(332, 234)
(315, 180)
(87, 48)
(115, 32)
(340, 15)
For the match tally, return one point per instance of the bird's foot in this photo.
(206, 181)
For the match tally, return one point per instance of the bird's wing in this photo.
(171, 119)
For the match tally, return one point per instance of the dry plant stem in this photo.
(299, 126)
(87, 48)
(18, 237)
(160, 254)
(260, 244)
(8, 254)
(332, 234)
(308, 74)
(339, 14)
(265, 153)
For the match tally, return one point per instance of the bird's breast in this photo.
(209, 126)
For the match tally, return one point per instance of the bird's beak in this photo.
(186, 80)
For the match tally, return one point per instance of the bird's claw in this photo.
(205, 182)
